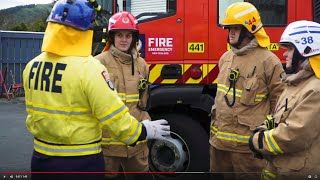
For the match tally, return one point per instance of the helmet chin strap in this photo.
(135, 39)
(132, 65)
(297, 59)
(243, 33)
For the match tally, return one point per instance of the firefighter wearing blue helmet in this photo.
(70, 100)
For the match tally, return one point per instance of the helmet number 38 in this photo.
(307, 40)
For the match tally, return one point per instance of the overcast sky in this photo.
(12, 3)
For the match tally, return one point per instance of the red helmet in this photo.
(123, 21)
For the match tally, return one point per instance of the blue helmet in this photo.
(75, 13)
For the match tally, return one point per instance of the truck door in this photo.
(196, 31)
(196, 47)
(161, 29)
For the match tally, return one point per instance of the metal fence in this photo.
(16, 49)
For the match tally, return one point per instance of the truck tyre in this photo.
(187, 150)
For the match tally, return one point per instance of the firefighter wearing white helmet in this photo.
(249, 83)
(129, 72)
(70, 100)
(289, 138)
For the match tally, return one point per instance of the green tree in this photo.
(39, 26)
(20, 27)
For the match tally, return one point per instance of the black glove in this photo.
(256, 153)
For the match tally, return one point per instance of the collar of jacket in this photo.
(247, 48)
(124, 58)
(315, 65)
(305, 72)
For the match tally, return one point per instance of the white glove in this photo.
(156, 129)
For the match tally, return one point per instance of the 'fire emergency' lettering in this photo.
(47, 74)
(160, 46)
(160, 42)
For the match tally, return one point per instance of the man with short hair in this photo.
(249, 83)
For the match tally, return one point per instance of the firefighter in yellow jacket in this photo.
(70, 99)
(290, 138)
(129, 73)
(249, 83)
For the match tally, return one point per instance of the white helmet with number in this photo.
(304, 35)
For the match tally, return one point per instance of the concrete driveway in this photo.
(16, 143)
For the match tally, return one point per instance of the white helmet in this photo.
(304, 35)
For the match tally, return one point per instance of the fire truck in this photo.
(182, 41)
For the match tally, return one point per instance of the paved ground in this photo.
(15, 141)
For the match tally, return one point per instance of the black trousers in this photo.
(89, 167)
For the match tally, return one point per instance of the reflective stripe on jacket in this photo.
(256, 90)
(68, 101)
(224, 89)
(119, 65)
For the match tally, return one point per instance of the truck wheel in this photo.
(187, 150)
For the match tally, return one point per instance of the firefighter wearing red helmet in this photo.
(70, 100)
(249, 83)
(289, 138)
(129, 73)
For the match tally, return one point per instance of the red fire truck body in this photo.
(182, 41)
